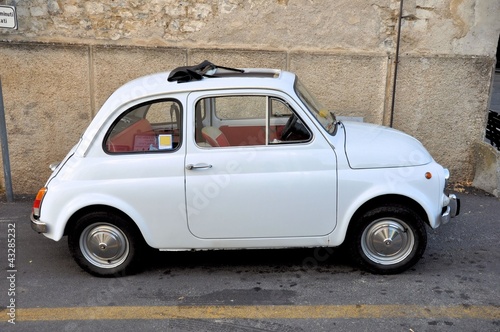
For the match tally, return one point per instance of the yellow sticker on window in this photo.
(165, 142)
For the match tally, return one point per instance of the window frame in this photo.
(213, 119)
(180, 127)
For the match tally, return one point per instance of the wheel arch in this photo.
(390, 199)
(99, 208)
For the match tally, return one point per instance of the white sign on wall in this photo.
(8, 17)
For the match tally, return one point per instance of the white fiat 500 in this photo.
(208, 157)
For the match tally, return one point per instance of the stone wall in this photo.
(68, 56)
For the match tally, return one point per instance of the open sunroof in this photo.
(196, 73)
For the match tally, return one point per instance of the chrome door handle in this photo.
(198, 166)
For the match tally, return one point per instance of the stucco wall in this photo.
(443, 102)
(68, 56)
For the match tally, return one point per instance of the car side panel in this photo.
(148, 188)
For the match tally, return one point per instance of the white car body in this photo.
(254, 196)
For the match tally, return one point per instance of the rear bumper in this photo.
(451, 210)
(37, 225)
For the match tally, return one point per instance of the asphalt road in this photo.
(455, 287)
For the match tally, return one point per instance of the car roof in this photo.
(157, 84)
(251, 77)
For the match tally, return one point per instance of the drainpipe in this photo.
(5, 150)
(396, 62)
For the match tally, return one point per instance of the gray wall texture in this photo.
(67, 57)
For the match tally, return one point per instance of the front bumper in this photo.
(37, 225)
(452, 209)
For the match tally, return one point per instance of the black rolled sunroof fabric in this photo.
(196, 73)
(190, 73)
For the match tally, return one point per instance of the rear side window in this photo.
(153, 126)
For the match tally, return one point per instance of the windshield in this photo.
(326, 118)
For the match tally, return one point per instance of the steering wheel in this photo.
(288, 129)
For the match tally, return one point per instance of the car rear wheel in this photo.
(105, 244)
(387, 240)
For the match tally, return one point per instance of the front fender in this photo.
(357, 187)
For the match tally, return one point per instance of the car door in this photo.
(144, 166)
(262, 187)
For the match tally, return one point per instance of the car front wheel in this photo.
(105, 244)
(387, 240)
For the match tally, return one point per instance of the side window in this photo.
(240, 107)
(148, 127)
(285, 125)
(231, 121)
(279, 108)
(247, 121)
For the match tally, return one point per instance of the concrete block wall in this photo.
(47, 101)
(67, 57)
(443, 102)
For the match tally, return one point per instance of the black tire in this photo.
(387, 240)
(105, 244)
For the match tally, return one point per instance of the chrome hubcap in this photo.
(104, 245)
(387, 241)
